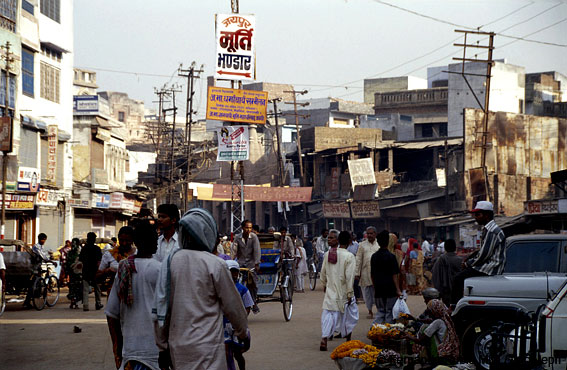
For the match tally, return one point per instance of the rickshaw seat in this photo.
(269, 261)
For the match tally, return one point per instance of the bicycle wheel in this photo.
(287, 302)
(52, 287)
(39, 293)
(312, 277)
(3, 299)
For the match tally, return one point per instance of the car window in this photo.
(536, 256)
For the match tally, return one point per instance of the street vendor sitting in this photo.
(428, 295)
(437, 342)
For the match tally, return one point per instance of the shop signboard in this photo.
(6, 134)
(336, 210)
(85, 104)
(236, 47)
(47, 197)
(128, 204)
(233, 143)
(28, 179)
(79, 203)
(365, 209)
(101, 200)
(116, 200)
(231, 105)
(19, 201)
(540, 207)
(52, 132)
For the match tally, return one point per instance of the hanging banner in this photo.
(51, 153)
(265, 194)
(246, 106)
(335, 210)
(6, 134)
(100, 200)
(361, 172)
(236, 44)
(116, 200)
(234, 143)
(28, 179)
(359, 210)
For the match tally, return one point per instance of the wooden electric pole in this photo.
(8, 57)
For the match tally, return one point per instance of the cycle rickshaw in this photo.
(276, 273)
(24, 272)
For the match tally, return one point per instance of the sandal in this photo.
(323, 345)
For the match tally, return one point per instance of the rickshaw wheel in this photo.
(3, 300)
(38, 294)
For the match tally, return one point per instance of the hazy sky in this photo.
(325, 46)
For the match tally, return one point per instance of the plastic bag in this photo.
(400, 307)
(350, 318)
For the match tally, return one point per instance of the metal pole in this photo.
(170, 190)
(280, 163)
(5, 153)
(486, 114)
(298, 142)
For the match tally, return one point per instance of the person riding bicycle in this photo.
(39, 256)
(248, 253)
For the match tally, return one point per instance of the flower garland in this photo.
(385, 331)
(115, 252)
(345, 349)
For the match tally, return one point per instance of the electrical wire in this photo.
(507, 15)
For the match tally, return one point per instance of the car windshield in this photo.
(536, 256)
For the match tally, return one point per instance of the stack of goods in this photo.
(356, 355)
(390, 336)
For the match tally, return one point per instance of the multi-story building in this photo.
(40, 88)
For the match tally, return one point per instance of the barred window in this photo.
(11, 93)
(8, 11)
(51, 53)
(50, 77)
(51, 9)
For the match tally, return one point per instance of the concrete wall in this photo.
(322, 138)
(523, 150)
(507, 91)
(373, 86)
(400, 125)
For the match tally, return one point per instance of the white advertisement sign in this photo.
(236, 42)
(361, 172)
(28, 179)
(234, 144)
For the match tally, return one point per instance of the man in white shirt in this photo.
(322, 246)
(38, 248)
(426, 247)
(362, 270)
(168, 218)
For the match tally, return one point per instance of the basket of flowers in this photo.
(356, 355)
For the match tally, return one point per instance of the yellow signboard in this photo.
(246, 106)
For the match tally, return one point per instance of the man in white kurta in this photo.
(362, 272)
(338, 280)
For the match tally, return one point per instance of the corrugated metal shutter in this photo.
(28, 148)
(51, 223)
(81, 226)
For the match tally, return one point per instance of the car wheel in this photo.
(477, 341)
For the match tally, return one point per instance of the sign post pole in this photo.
(6, 139)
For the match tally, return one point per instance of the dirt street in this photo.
(31, 339)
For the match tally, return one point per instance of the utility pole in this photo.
(295, 104)
(191, 74)
(279, 153)
(161, 93)
(303, 181)
(173, 90)
(489, 63)
(9, 59)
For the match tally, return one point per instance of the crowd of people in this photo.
(178, 273)
(387, 269)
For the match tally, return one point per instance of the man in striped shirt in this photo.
(490, 258)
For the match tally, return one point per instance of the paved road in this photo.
(31, 339)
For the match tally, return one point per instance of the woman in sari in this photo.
(416, 268)
(438, 341)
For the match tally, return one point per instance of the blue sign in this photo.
(101, 200)
(85, 103)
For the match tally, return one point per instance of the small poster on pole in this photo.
(234, 144)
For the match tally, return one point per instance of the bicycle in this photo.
(313, 273)
(287, 286)
(45, 287)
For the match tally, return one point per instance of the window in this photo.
(51, 9)
(443, 130)
(51, 53)
(121, 116)
(50, 77)
(27, 6)
(427, 130)
(8, 14)
(536, 256)
(27, 72)
(11, 96)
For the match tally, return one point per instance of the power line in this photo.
(463, 26)
(532, 17)
(507, 15)
(126, 72)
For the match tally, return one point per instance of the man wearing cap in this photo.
(491, 257)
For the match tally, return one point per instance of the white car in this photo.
(552, 332)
